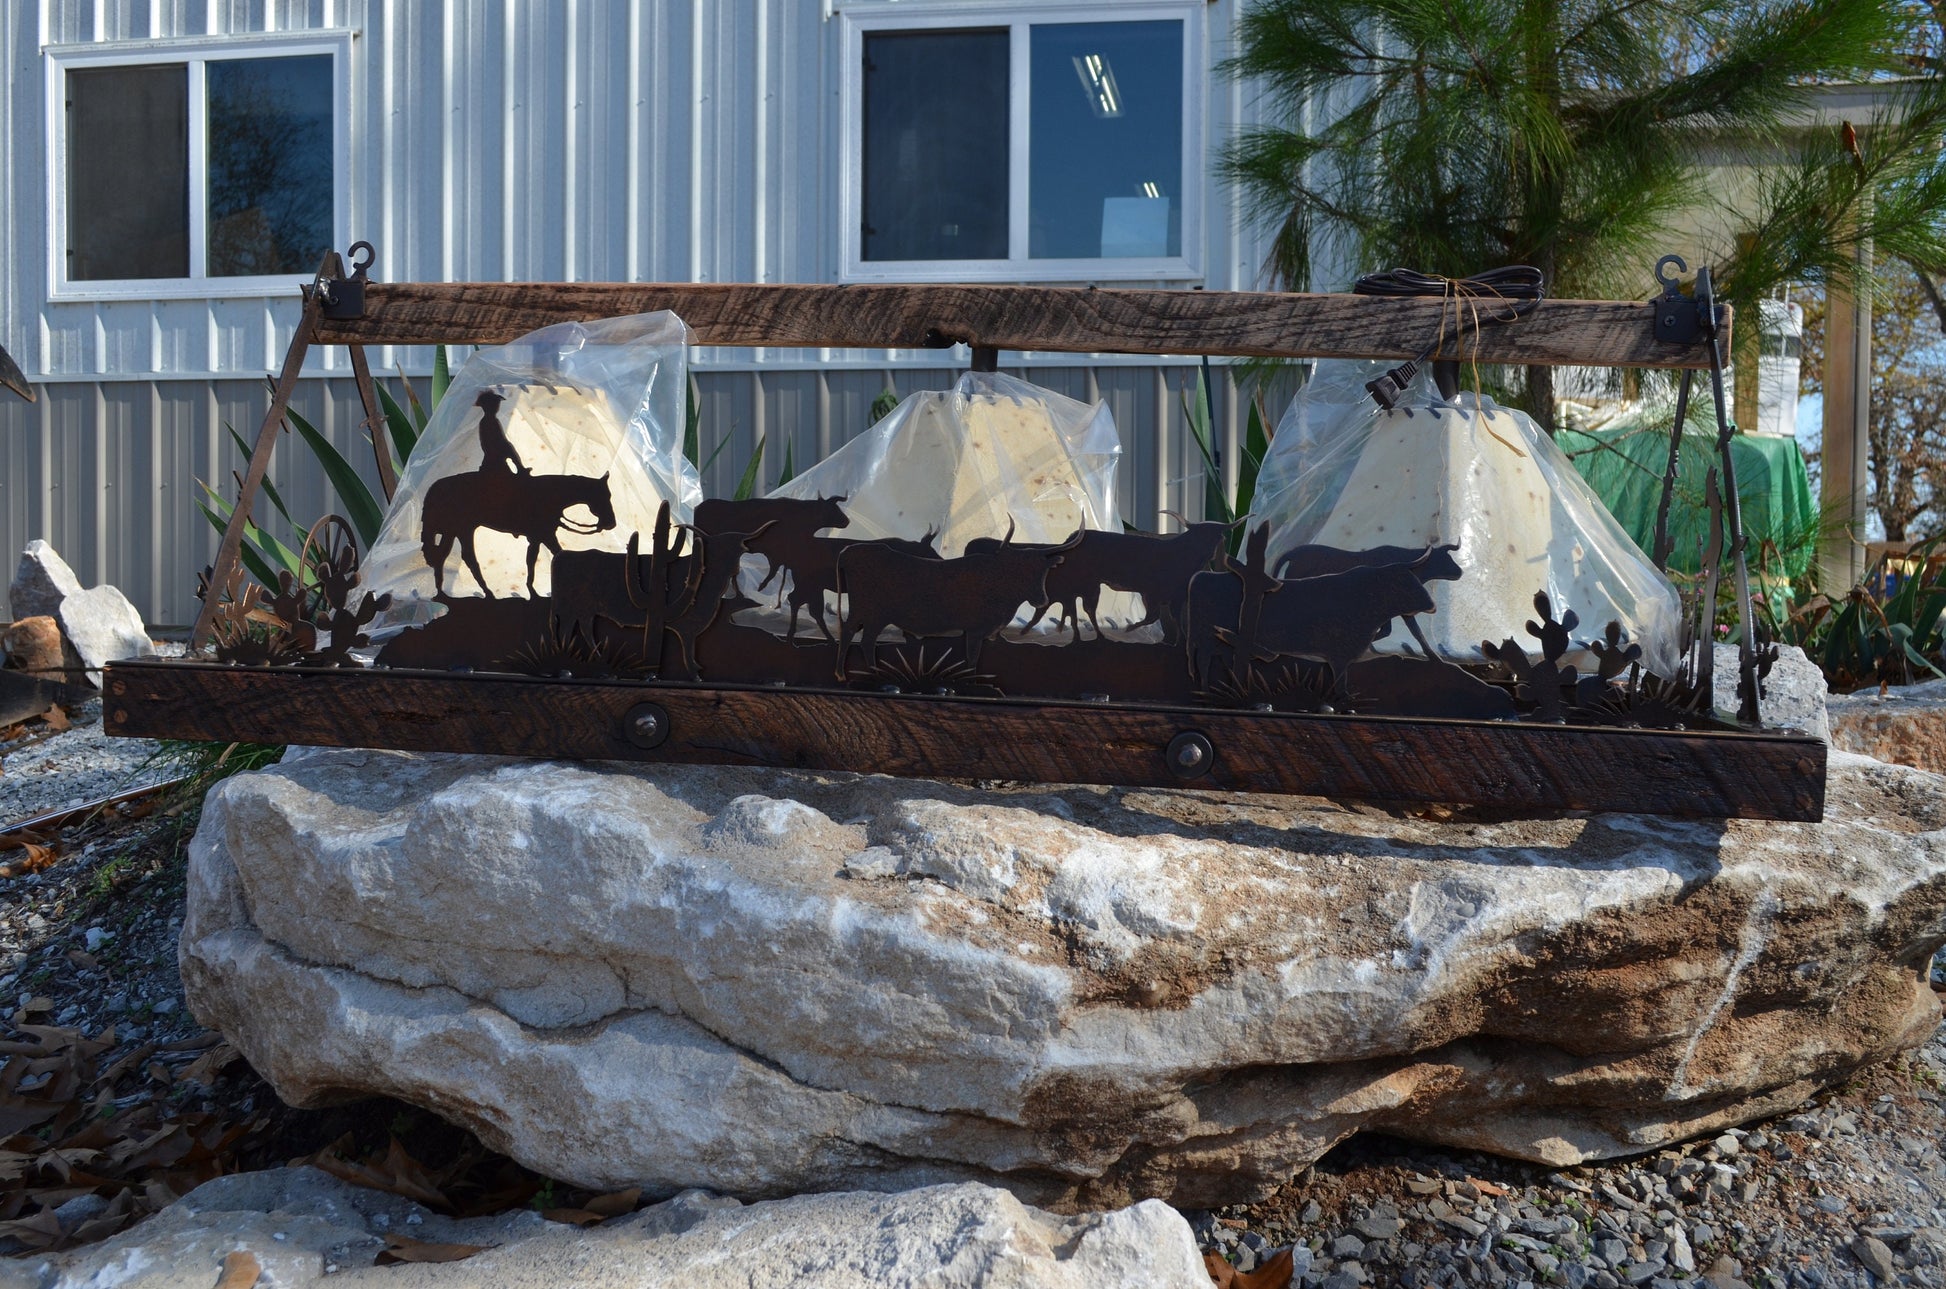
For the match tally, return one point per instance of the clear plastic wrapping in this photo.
(992, 456)
(600, 403)
(967, 462)
(1346, 474)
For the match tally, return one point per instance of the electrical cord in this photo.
(1515, 289)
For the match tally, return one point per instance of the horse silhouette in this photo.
(533, 506)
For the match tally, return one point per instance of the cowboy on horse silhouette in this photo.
(507, 497)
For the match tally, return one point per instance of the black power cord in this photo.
(1517, 288)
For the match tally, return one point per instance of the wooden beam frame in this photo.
(1607, 333)
(1504, 765)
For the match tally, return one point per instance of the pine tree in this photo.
(1454, 136)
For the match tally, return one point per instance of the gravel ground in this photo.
(1847, 1191)
(41, 770)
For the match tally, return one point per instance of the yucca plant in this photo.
(1219, 502)
(262, 553)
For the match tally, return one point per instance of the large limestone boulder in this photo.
(305, 1228)
(764, 982)
(1906, 724)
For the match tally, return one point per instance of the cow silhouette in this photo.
(786, 523)
(972, 597)
(1157, 568)
(814, 571)
(1432, 563)
(1334, 618)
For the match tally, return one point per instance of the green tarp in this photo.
(1624, 465)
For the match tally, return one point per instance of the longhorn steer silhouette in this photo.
(777, 525)
(814, 571)
(1334, 618)
(972, 597)
(1156, 568)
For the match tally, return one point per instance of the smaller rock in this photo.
(1831, 1204)
(103, 626)
(1378, 1228)
(1464, 1225)
(1311, 1213)
(42, 579)
(81, 1208)
(1875, 1257)
(1422, 1185)
(37, 647)
(1347, 1246)
(1613, 1252)
(1727, 1145)
(95, 937)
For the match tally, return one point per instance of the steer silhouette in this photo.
(1156, 568)
(786, 524)
(1432, 563)
(972, 597)
(814, 571)
(1334, 618)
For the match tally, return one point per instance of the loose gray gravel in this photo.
(44, 771)
(1848, 1191)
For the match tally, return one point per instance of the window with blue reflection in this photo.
(1105, 140)
(270, 172)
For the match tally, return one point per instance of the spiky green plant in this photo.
(1220, 502)
(263, 554)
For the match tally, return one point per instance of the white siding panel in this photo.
(513, 140)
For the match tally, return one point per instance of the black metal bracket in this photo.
(344, 297)
(1681, 319)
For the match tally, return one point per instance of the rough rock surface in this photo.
(103, 626)
(302, 1225)
(767, 982)
(1906, 724)
(42, 579)
(1794, 692)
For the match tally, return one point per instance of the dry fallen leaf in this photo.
(1486, 1188)
(240, 1270)
(1275, 1273)
(211, 1063)
(403, 1248)
(1221, 1273)
(615, 1205)
(572, 1216)
(38, 857)
(57, 720)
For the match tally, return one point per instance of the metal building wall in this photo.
(527, 140)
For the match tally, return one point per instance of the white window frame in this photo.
(1018, 16)
(197, 54)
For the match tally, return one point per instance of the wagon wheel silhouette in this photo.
(327, 562)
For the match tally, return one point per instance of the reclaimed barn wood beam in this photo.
(1605, 333)
(1503, 765)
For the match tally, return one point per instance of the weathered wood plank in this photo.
(1609, 333)
(1539, 767)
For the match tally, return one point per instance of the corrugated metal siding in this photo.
(493, 139)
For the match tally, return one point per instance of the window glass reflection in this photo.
(270, 179)
(1105, 140)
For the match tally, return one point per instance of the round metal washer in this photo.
(646, 725)
(1190, 755)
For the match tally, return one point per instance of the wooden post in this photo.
(228, 551)
(1847, 442)
(388, 478)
